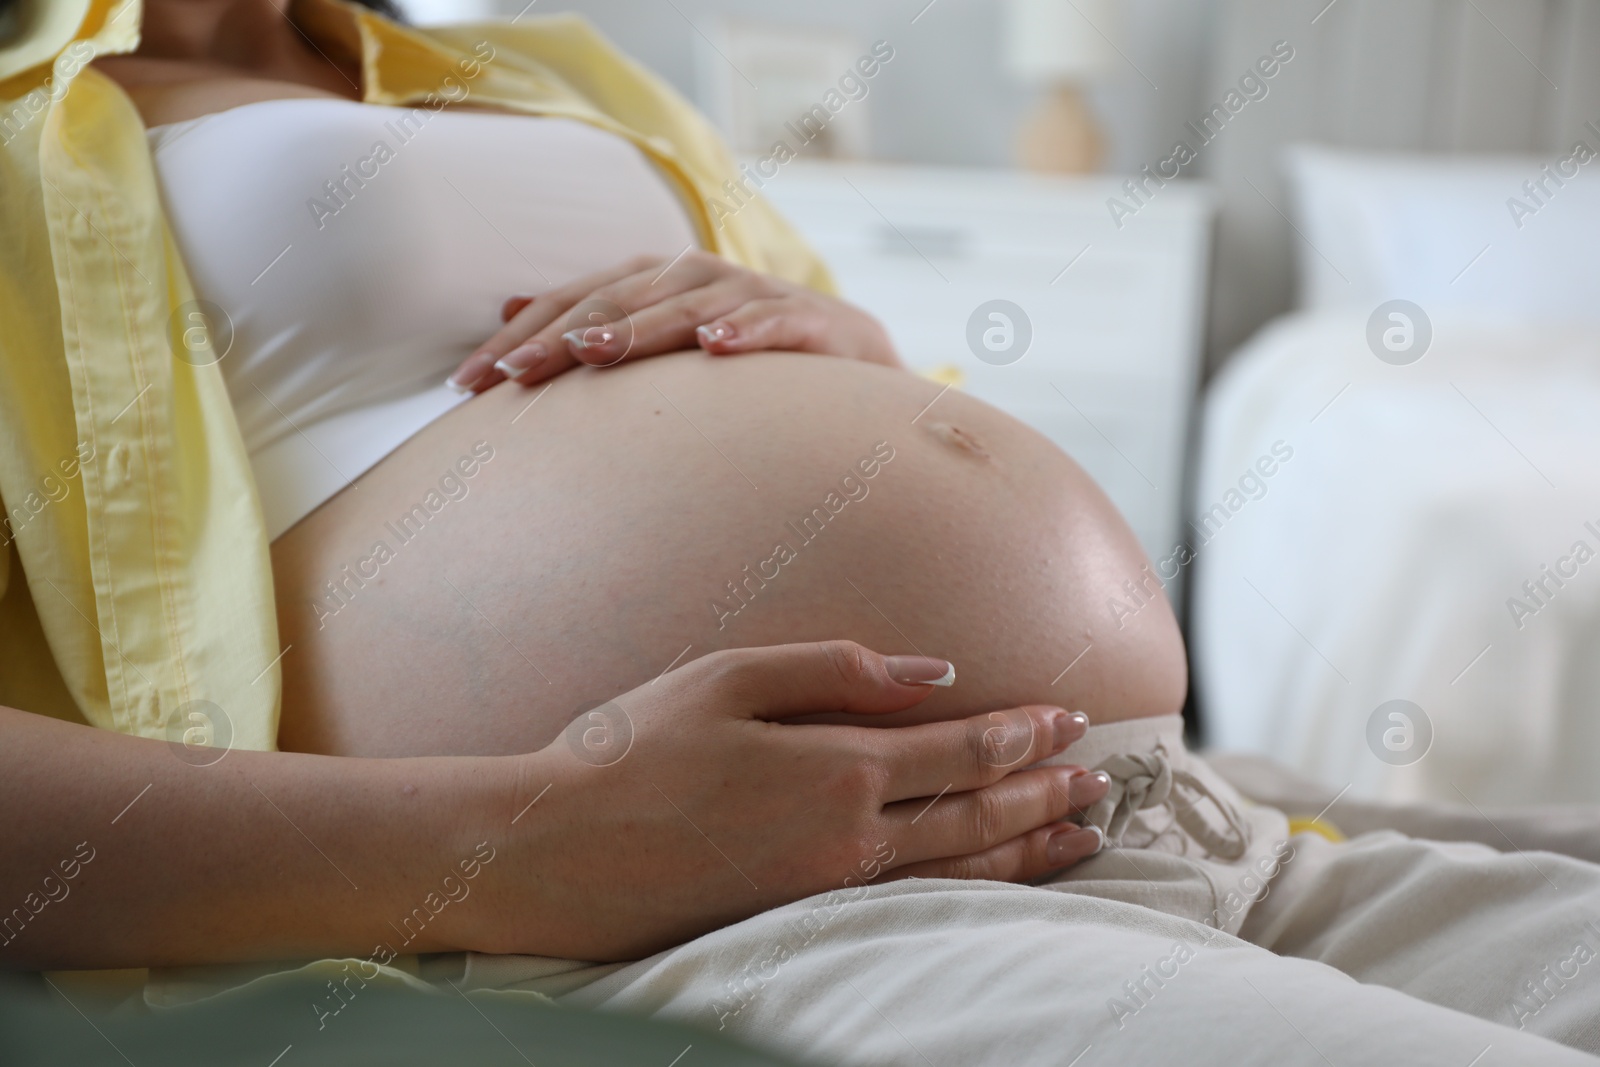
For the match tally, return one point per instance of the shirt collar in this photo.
(398, 64)
(108, 26)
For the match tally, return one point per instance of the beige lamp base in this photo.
(1061, 135)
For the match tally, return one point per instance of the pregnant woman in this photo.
(599, 538)
(458, 577)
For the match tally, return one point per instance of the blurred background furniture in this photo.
(1062, 45)
(951, 99)
(1424, 493)
(1446, 77)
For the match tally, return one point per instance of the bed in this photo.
(1407, 607)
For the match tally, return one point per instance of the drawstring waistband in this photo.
(1147, 782)
(1181, 839)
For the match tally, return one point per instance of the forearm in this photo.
(118, 853)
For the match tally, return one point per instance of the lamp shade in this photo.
(1061, 40)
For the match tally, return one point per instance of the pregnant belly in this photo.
(533, 553)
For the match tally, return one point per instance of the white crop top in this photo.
(346, 257)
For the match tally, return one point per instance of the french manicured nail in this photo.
(590, 337)
(1068, 727)
(920, 670)
(521, 359)
(471, 373)
(1074, 844)
(1087, 789)
(713, 332)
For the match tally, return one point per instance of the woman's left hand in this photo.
(649, 306)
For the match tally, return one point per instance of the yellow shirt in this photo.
(135, 584)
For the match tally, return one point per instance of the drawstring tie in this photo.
(1144, 782)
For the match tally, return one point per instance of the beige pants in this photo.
(1206, 934)
(1512, 937)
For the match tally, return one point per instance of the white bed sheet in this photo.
(1380, 562)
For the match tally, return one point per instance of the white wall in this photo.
(945, 98)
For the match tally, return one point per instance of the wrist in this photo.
(500, 855)
(448, 829)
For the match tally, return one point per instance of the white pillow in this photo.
(1450, 231)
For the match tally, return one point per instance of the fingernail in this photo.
(920, 670)
(1068, 727)
(1088, 788)
(521, 359)
(713, 332)
(471, 374)
(592, 337)
(1075, 844)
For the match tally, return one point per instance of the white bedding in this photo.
(1381, 560)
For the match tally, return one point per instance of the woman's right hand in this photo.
(687, 804)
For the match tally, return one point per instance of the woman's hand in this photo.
(649, 306)
(686, 804)
(675, 809)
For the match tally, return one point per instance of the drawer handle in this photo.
(946, 242)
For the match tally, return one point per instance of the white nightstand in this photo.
(1116, 314)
